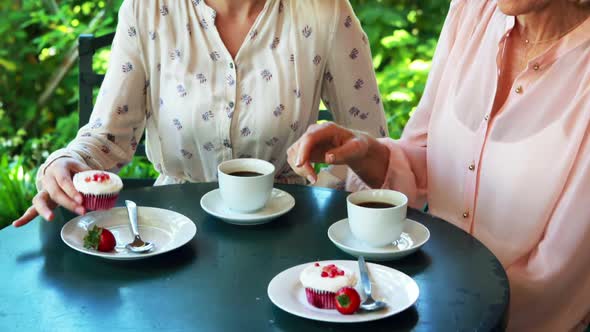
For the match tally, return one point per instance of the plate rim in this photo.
(249, 221)
(360, 320)
(134, 257)
(416, 246)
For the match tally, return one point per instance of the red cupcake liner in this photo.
(321, 299)
(99, 202)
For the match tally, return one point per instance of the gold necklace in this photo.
(529, 45)
(543, 41)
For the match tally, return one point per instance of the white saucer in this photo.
(413, 237)
(280, 202)
(167, 229)
(397, 289)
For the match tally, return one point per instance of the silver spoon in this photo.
(138, 245)
(369, 304)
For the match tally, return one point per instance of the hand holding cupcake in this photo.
(56, 188)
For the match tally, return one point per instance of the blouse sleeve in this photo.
(407, 170)
(349, 89)
(118, 119)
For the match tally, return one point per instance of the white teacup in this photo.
(243, 192)
(375, 226)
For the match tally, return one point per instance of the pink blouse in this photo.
(518, 181)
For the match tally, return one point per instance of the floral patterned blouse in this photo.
(171, 74)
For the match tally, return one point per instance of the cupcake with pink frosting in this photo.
(99, 189)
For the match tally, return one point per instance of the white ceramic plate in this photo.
(167, 229)
(280, 202)
(398, 290)
(413, 237)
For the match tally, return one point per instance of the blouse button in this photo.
(487, 117)
(231, 65)
(231, 104)
(536, 66)
(518, 89)
(466, 214)
(472, 167)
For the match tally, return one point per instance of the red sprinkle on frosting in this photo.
(98, 177)
(331, 271)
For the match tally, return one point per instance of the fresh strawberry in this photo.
(348, 300)
(100, 239)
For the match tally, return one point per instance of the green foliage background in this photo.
(38, 40)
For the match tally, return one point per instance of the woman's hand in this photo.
(332, 144)
(58, 189)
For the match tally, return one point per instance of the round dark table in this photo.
(218, 281)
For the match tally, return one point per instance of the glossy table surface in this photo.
(218, 281)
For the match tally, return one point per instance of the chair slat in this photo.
(325, 115)
(103, 41)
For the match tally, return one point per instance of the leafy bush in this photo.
(403, 36)
(140, 167)
(39, 87)
(18, 188)
(37, 45)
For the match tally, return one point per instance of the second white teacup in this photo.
(245, 184)
(376, 217)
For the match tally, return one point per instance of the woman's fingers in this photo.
(44, 205)
(58, 183)
(58, 189)
(352, 150)
(60, 197)
(62, 171)
(29, 215)
(64, 180)
(305, 170)
(313, 145)
(317, 140)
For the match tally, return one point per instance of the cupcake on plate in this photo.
(99, 189)
(321, 282)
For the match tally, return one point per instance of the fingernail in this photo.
(78, 199)
(311, 179)
(298, 162)
(79, 210)
(330, 158)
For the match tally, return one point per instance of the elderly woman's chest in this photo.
(500, 188)
(504, 172)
